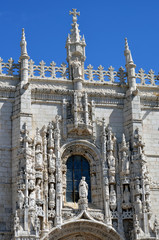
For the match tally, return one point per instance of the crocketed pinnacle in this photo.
(127, 53)
(75, 36)
(23, 44)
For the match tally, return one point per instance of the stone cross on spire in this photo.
(74, 13)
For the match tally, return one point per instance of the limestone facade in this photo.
(50, 114)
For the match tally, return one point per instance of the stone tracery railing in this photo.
(147, 79)
(51, 71)
(104, 76)
(91, 75)
(10, 68)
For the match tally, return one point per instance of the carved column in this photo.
(64, 111)
(105, 176)
(58, 219)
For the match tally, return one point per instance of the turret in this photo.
(75, 53)
(130, 67)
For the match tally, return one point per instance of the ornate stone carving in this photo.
(38, 157)
(32, 200)
(20, 199)
(51, 196)
(112, 198)
(38, 191)
(83, 194)
(76, 69)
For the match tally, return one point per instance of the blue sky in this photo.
(104, 24)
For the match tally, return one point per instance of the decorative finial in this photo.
(23, 34)
(75, 14)
(127, 52)
(23, 44)
(126, 44)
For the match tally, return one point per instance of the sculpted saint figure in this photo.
(38, 190)
(126, 195)
(111, 160)
(112, 198)
(126, 163)
(83, 188)
(51, 158)
(52, 196)
(138, 205)
(20, 199)
(38, 156)
(76, 69)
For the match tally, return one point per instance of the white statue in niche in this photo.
(126, 163)
(112, 198)
(83, 188)
(138, 205)
(38, 156)
(38, 190)
(126, 195)
(51, 158)
(20, 199)
(51, 196)
(76, 69)
(111, 160)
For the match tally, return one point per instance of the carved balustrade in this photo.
(104, 76)
(51, 71)
(147, 79)
(10, 68)
(91, 75)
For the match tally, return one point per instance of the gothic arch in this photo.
(80, 147)
(83, 230)
(92, 154)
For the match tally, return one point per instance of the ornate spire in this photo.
(75, 36)
(23, 44)
(76, 53)
(130, 67)
(127, 53)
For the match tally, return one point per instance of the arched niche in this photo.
(83, 230)
(93, 156)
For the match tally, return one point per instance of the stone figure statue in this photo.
(126, 195)
(51, 158)
(138, 205)
(38, 190)
(126, 163)
(20, 199)
(112, 198)
(38, 156)
(51, 196)
(111, 160)
(83, 188)
(76, 69)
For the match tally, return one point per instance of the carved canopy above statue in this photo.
(83, 230)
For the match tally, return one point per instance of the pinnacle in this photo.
(23, 34)
(127, 52)
(23, 44)
(126, 44)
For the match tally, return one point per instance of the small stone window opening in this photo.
(77, 167)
